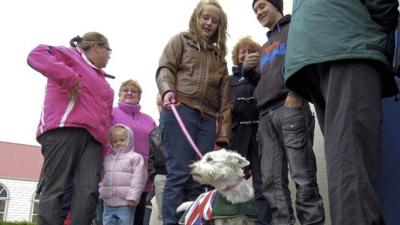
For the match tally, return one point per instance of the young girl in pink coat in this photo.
(124, 178)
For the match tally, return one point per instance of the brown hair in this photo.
(218, 40)
(130, 82)
(245, 42)
(88, 40)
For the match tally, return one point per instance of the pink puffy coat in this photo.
(124, 175)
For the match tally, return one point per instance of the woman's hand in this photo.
(74, 92)
(169, 99)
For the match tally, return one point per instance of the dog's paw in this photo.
(184, 206)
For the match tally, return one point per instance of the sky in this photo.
(137, 32)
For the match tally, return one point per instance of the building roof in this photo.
(20, 161)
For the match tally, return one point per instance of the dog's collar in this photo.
(237, 183)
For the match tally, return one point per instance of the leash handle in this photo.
(185, 132)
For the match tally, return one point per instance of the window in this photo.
(3, 202)
(35, 204)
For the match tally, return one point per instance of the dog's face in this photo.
(219, 168)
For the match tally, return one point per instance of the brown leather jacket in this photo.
(199, 79)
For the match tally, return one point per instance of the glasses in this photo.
(109, 50)
(129, 90)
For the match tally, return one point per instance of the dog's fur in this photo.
(223, 170)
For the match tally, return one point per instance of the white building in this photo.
(19, 172)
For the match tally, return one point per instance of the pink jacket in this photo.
(141, 125)
(65, 68)
(124, 175)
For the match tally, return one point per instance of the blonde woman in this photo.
(192, 75)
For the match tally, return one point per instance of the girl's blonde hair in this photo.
(218, 40)
(118, 128)
(245, 42)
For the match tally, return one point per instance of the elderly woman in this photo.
(128, 113)
(73, 125)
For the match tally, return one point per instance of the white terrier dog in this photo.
(223, 170)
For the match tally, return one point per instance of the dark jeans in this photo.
(347, 98)
(140, 209)
(286, 139)
(69, 154)
(147, 215)
(245, 142)
(180, 186)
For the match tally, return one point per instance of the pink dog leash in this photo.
(184, 130)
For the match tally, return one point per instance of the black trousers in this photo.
(347, 98)
(70, 154)
(244, 141)
(140, 210)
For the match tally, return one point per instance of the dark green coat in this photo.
(329, 30)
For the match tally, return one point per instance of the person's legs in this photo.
(109, 217)
(125, 215)
(154, 219)
(274, 169)
(263, 210)
(147, 214)
(179, 154)
(351, 93)
(66, 202)
(240, 140)
(205, 141)
(140, 209)
(99, 212)
(352, 141)
(86, 180)
(298, 137)
(159, 183)
(60, 149)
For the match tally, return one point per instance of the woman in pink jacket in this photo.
(74, 124)
(129, 113)
(124, 178)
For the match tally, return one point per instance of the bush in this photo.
(15, 223)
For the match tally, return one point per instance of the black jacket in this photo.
(244, 108)
(157, 154)
(244, 114)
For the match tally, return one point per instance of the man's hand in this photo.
(251, 61)
(293, 102)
